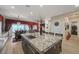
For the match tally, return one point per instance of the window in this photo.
(16, 27)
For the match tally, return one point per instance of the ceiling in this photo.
(35, 12)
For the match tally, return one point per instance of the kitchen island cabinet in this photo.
(41, 44)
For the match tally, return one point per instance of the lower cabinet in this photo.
(55, 49)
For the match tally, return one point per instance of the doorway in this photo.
(74, 30)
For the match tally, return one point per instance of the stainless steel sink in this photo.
(30, 36)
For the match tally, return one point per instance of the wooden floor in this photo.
(70, 46)
(12, 48)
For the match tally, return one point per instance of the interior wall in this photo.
(0, 28)
(1, 19)
(57, 29)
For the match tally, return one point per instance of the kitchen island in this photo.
(41, 44)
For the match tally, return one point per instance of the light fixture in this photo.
(41, 5)
(12, 7)
(31, 13)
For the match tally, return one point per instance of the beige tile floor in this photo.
(12, 48)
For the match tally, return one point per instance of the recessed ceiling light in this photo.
(31, 13)
(12, 7)
(41, 5)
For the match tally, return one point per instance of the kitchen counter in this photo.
(41, 43)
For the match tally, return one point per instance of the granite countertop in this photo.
(42, 43)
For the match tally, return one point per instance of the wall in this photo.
(76, 22)
(57, 29)
(1, 18)
(0, 28)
